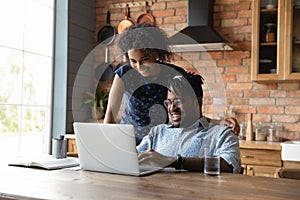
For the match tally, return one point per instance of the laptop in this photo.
(109, 148)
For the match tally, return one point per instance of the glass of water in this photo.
(211, 163)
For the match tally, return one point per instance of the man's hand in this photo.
(234, 124)
(153, 158)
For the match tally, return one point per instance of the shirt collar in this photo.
(203, 122)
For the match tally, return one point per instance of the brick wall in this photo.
(227, 74)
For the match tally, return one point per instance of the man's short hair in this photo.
(187, 84)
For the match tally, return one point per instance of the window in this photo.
(26, 67)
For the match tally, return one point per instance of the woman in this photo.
(142, 82)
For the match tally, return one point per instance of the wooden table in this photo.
(26, 183)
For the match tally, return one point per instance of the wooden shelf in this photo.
(130, 4)
(264, 10)
(268, 44)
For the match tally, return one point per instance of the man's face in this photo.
(182, 110)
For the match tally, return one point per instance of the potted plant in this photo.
(97, 101)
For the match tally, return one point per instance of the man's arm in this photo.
(154, 158)
(197, 164)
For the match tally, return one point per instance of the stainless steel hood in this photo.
(199, 35)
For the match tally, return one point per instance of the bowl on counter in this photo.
(270, 6)
(273, 71)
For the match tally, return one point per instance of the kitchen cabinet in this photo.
(290, 169)
(72, 148)
(260, 158)
(71, 140)
(275, 40)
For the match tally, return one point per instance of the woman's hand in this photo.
(231, 122)
(234, 124)
(153, 158)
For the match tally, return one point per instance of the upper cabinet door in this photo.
(274, 49)
(292, 59)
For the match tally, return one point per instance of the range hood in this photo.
(199, 35)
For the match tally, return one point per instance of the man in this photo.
(181, 145)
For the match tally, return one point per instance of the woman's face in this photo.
(144, 63)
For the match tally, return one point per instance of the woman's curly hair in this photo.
(147, 37)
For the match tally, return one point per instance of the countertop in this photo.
(260, 145)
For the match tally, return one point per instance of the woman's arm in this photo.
(114, 100)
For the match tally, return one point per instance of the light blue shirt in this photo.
(191, 141)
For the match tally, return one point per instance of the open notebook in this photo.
(108, 148)
(46, 162)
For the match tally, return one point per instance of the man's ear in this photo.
(198, 104)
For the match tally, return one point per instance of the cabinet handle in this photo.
(248, 156)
